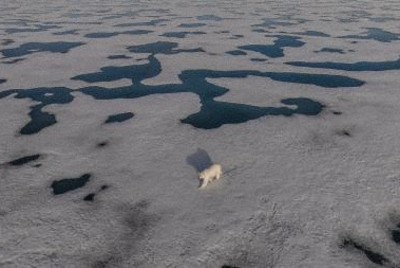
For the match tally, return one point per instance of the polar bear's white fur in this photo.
(214, 172)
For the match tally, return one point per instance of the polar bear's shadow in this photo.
(200, 160)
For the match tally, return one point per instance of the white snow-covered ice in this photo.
(297, 100)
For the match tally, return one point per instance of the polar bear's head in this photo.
(202, 176)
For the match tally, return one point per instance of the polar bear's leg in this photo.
(218, 175)
(204, 183)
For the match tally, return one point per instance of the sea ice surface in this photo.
(110, 109)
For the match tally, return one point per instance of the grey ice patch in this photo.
(259, 243)
(135, 228)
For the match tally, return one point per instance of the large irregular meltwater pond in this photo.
(266, 41)
(213, 113)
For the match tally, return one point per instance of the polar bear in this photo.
(214, 172)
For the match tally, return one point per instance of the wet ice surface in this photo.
(181, 34)
(36, 47)
(119, 117)
(112, 34)
(331, 50)
(362, 66)
(275, 50)
(65, 185)
(24, 160)
(376, 34)
(299, 103)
